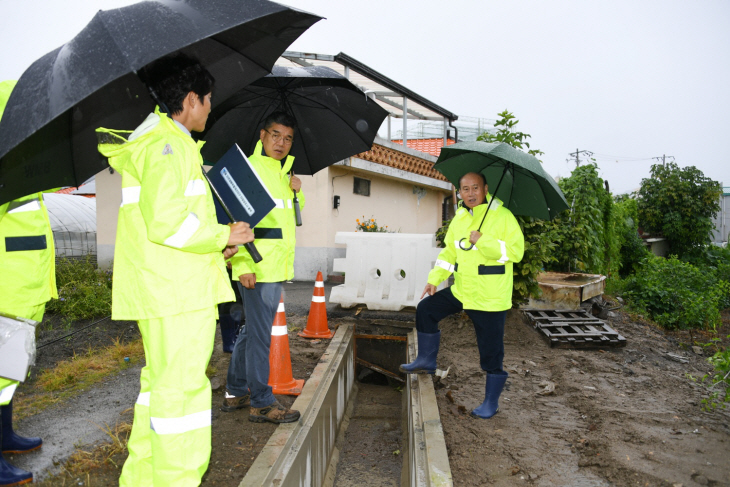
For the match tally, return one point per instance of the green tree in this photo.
(507, 133)
(680, 205)
(586, 235)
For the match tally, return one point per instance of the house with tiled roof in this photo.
(393, 183)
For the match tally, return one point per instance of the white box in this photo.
(17, 347)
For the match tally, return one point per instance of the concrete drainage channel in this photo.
(315, 451)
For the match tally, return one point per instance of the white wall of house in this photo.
(403, 201)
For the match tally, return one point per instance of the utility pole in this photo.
(577, 154)
(664, 159)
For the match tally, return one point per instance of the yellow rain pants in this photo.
(170, 441)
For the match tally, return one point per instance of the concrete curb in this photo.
(426, 462)
(300, 453)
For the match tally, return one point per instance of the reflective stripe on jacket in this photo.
(483, 274)
(27, 265)
(275, 233)
(168, 252)
(27, 254)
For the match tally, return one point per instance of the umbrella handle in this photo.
(297, 210)
(494, 195)
(255, 255)
(462, 247)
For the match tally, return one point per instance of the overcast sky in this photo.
(626, 80)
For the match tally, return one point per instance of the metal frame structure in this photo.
(399, 101)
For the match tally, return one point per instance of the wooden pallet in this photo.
(573, 329)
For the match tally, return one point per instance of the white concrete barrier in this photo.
(384, 271)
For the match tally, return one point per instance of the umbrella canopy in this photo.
(47, 136)
(516, 178)
(335, 119)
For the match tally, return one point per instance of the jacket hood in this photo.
(119, 145)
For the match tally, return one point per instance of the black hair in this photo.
(172, 77)
(281, 118)
(484, 178)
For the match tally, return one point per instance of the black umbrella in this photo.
(335, 118)
(47, 134)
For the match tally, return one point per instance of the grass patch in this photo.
(82, 461)
(83, 290)
(80, 466)
(72, 376)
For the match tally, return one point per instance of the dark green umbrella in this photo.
(516, 178)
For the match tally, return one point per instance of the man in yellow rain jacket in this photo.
(248, 371)
(481, 257)
(27, 283)
(170, 274)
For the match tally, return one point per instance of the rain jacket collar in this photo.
(483, 207)
(152, 120)
(285, 166)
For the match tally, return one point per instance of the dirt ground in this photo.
(626, 416)
(617, 417)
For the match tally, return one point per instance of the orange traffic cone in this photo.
(281, 379)
(317, 321)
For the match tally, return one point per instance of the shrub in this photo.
(83, 291)
(539, 251)
(632, 249)
(676, 294)
(720, 387)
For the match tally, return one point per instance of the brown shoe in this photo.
(231, 403)
(273, 413)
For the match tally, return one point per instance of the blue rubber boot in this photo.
(428, 350)
(230, 324)
(490, 406)
(10, 475)
(12, 443)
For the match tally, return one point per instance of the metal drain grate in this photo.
(573, 329)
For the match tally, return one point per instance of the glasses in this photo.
(277, 137)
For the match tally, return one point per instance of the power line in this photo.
(624, 158)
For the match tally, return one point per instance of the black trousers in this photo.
(488, 325)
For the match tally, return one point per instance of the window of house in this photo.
(361, 186)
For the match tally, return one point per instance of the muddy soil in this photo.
(617, 417)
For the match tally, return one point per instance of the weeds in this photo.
(70, 377)
(83, 291)
(676, 294)
(82, 461)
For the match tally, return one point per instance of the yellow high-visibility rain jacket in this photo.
(275, 233)
(483, 274)
(168, 255)
(27, 265)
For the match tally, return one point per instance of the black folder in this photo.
(240, 188)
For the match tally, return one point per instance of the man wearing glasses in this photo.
(261, 284)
